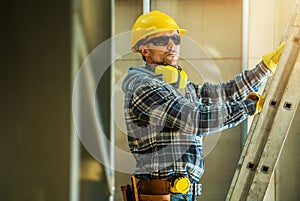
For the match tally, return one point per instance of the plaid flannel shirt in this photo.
(165, 128)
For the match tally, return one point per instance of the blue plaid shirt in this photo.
(165, 128)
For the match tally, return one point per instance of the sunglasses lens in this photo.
(164, 40)
(160, 41)
(176, 39)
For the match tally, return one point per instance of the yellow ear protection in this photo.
(173, 75)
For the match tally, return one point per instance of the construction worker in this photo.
(167, 115)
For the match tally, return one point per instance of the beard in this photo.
(168, 57)
(171, 59)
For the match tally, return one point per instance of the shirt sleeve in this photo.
(236, 89)
(157, 106)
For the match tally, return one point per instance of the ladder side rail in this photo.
(278, 133)
(245, 148)
(259, 131)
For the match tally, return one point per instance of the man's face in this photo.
(163, 47)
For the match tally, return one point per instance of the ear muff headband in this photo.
(172, 75)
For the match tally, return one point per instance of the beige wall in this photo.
(216, 26)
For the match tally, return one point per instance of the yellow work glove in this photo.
(258, 99)
(271, 59)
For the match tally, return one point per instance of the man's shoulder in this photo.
(139, 76)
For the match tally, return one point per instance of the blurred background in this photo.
(43, 46)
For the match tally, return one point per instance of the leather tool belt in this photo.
(162, 187)
(129, 194)
(153, 187)
(153, 190)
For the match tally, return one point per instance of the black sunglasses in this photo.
(164, 40)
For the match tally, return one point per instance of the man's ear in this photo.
(144, 51)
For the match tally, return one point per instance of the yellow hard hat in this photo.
(151, 23)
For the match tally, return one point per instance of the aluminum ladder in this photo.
(270, 128)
